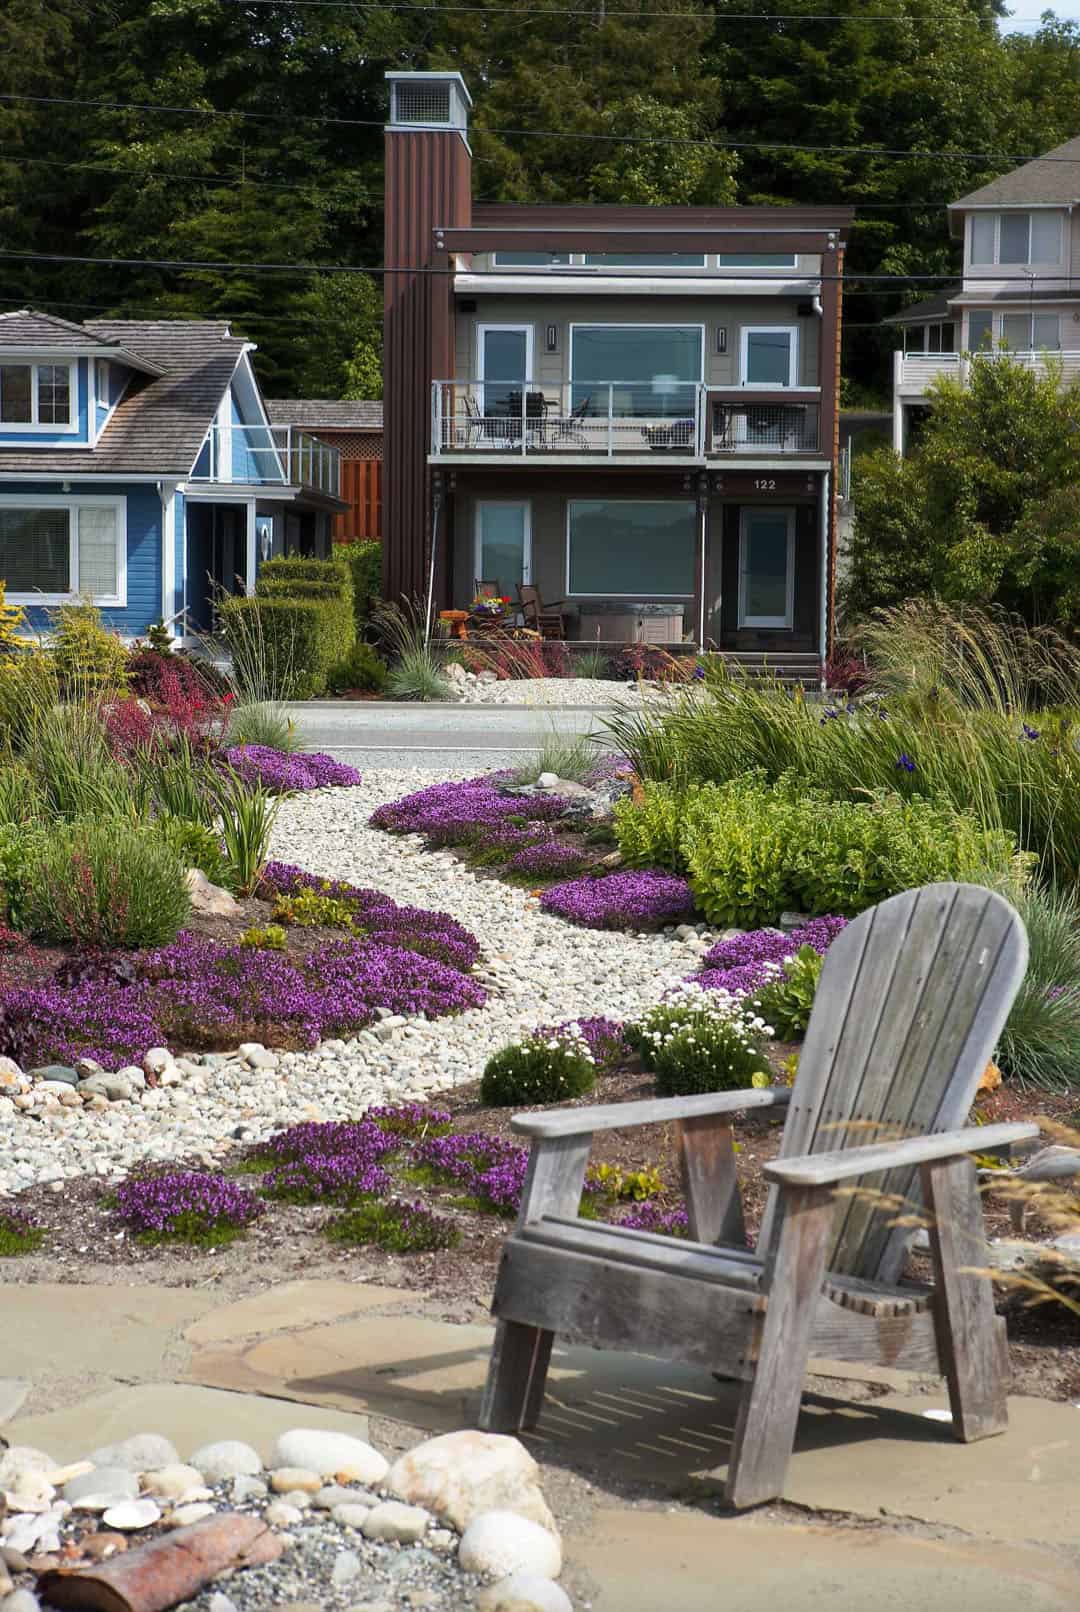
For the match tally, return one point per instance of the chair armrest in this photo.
(656, 1111)
(824, 1169)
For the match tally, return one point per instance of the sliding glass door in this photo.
(504, 543)
(505, 364)
(766, 567)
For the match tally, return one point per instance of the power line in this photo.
(218, 179)
(607, 11)
(557, 134)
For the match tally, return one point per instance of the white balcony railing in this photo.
(532, 418)
(913, 372)
(269, 455)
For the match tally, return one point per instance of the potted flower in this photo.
(490, 607)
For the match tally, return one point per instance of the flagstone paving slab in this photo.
(642, 1560)
(292, 1304)
(62, 1328)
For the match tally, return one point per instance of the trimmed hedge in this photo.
(364, 560)
(301, 639)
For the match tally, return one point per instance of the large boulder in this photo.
(459, 1476)
(209, 899)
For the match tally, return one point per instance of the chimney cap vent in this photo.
(428, 101)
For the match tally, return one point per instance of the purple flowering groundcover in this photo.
(285, 772)
(738, 965)
(636, 900)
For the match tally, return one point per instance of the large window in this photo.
(55, 549)
(623, 548)
(1015, 238)
(645, 260)
(503, 543)
(755, 260)
(770, 355)
(643, 370)
(1020, 332)
(36, 394)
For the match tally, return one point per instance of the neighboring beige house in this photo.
(1020, 288)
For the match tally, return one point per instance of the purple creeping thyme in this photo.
(327, 1178)
(547, 860)
(603, 1037)
(283, 772)
(740, 965)
(400, 1227)
(484, 1167)
(652, 1216)
(364, 1138)
(409, 1120)
(446, 810)
(621, 900)
(184, 1202)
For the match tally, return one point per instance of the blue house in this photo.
(139, 468)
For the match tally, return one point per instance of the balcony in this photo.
(913, 372)
(269, 456)
(629, 421)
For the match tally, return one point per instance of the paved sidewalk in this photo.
(895, 1513)
(383, 734)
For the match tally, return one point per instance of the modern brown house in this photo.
(633, 408)
(355, 429)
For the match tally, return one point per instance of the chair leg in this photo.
(517, 1372)
(769, 1409)
(969, 1334)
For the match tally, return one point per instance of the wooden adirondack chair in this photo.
(912, 998)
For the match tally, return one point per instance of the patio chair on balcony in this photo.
(547, 620)
(571, 427)
(471, 429)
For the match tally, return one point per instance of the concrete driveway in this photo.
(384, 734)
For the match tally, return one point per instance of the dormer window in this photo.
(1016, 239)
(36, 395)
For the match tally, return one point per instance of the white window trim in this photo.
(526, 549)
(793, 356)
(73, 505)
(997, 329)
(787, 621)
(1030, 262)
(622, 324)
(518, 328)
(33, 424)
(611, 593)
(711, 263)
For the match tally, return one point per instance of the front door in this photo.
(766, 567)
(215, 558)
(503, 543)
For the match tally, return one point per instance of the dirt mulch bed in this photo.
(85, 1243)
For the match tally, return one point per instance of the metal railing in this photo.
(772, 428)
(605, 418)
(269, 455)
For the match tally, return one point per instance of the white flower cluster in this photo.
(689, 1006)
(568, 1039)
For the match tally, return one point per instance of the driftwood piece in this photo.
(166, 1570)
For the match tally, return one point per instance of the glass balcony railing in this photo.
(267, 456)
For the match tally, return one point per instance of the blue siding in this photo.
(247, 465)
(144, 579)
(46, 438)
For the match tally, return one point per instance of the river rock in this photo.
(458, 1476)
(287, 1478)
(143, 1452)
(102, 1487)
(351, 1514)
(524, 1592)
(331, 1455)
(397, 1522)
(132, 1514)
(226, 1459)
(20, 1459)
(173, 1482)
(209, 898)
(280, 1515)
(184, 1516)
(501, 1543)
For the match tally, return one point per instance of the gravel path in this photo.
(538, 970)
(599, 692)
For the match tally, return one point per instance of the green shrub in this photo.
(271, 938)
(311, 909)
(752, 849)
(20, 847)
(105, 884)
(539, 1069)
(362, 668)
(20, 797)
(699, 1040)
(283, 649)
(785, 1002)
(87, 656)
(197, 847)
(364, 560)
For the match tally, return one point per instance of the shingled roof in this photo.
(160, 423)
(1053, 177)
(330, 414)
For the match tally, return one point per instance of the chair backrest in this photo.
(912, 998)
(486, 589)
(529, 596)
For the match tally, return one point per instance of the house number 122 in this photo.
(768, 485)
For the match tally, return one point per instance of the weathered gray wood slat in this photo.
(769, 1408)
(968, 1334)
(695, 1260)
(822, 1169)
(907, 1341)
(960, 990)
(653, 1111)
(710, 1181)
(621, 1306)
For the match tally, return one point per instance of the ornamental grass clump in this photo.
(699, 1040)
(543, 1068)
(189, 1206)
(18, 1234)
(642, 900)
(396, 1226)
(105, 884)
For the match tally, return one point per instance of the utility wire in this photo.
(556, 134)
(602, 14)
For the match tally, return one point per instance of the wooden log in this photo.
(168, 1569)
(969, 1336)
